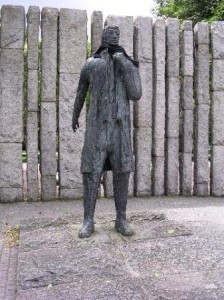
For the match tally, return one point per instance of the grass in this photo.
(12, 235)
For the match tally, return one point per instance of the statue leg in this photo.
(91, 183)
(120, 183)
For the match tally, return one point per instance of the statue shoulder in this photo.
(95, 62)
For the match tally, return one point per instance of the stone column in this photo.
(73, 51)
(172, 107)
(126, 41)
(217, 166)
(143, 50)
(158, 131)
(201, 119)
(186, 109)
(33, 23)
(49, 28)
(11, 102)
(96, 30)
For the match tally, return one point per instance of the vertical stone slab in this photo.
(172, 107)
(11, 102)
(217, 164)
(158, 129)
(201, 127)
(143, 52)
(33, 24)
(73, 51)
(96, 30)
(186, 109)
(143, 163)
(12, 27)
(11, 96)
(126, 26)
(32, 156)
(11, 172)
(49, 28)
(48, 161)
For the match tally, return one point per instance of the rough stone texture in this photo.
(217, 178)
(70, 193)
(187, 67)
(48, 187)
(202, 74)
(32, 91)
(159, 80)
(70, 143)
(158, 147)
(143, 108)
(12, 26)
(217, 109)
(10, 194)
(172, 51)
(10, 165)
(186, 133)
(143, 47)
(126, 27)
(172, 258)
(217, 165)
(201, 120)
(187, 26)
(32, 156)
(172, 107)
(185, 174)
(158, 112)
(72, 49)
(158, 188)
(217, 37)
(201, 33)
(218, 75)
(186, 92)
(33, 23)
(96, 30)
(11, 96)
(186, 105)
(49, 29)
(172, 166)
(72, 39)
(48, 139)
(201, 146)
(143, 161)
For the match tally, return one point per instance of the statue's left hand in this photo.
(119, 56)
(75, 125)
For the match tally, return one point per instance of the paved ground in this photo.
(177, 252)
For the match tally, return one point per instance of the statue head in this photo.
(111, 35)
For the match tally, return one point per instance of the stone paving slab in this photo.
(163, 256)
(177, 252)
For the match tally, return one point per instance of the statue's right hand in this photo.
(75, 125)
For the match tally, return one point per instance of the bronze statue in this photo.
(112, 78)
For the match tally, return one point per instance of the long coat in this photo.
(112, 82)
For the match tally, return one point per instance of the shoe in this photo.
(87, 229)
(122, 227)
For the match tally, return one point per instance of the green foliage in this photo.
(200, 10)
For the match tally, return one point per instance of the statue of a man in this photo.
(112, 78)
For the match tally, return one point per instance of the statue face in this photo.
(112, 35)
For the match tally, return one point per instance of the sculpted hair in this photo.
(105, 30)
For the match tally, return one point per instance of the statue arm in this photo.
(132, 77)
(80, 96)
